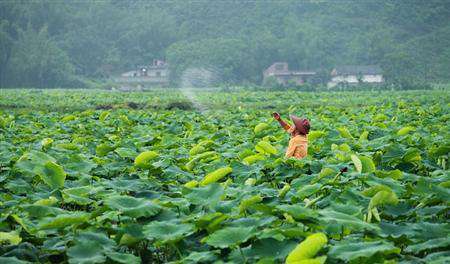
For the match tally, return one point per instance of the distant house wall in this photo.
(373, 78)
(354, 74)
(353, 79)
(276, 69)
(156, 74)
(285, 79)
(280, 71)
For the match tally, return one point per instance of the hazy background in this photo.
(73, 43)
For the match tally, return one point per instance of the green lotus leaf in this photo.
(270, 248)
(77, 163)
(345, 220)
(298, 211)
(412, 155)
(393, 174)
(50, 201)
(350, 250)
(126, 152)
(39, 211)
(343, 132)
(167, 232)
(33, 161)
(229, 237)
(396, 230)
(12, 237)
(405, 130)
(437, 258)
(370, 192)
(144, 159)
(100, 238)
(53, 175)
(437, 151)
(131, 206)
(209, 194)
(12, 260)
(443, 242)
(308, 190)
(201, 257)
(68, 118)
(86, 253)
(77, 195)
(103, 149)
(63, 220)
(315, 134)
(357, 162)
(367, 164)
(124, 258)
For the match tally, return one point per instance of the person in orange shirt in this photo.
(298, 144)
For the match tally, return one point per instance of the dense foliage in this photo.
(63, 43)
(109, 177)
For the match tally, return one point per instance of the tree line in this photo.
(77, 44)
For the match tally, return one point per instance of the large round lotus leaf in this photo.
(64, 220)
(348, 251)
(132, 234)
(98, 237)
(12, 260)
(103, 149)
(143, 160)
(86, 253)
(165, 232)
(229, 237)
(345, 220)
(124, 258)
(367, 164)
(12, 238)
(343, 132)
(77, 195)
(68, 118)
(50, 201)
(53, 175)
(39, 211)
(126, 152)
(412, 155)
(394, 174)
(32, 161)
(260, 128)
(133, 207)
(443, 242)
(405, 130)
(315, 134)
(270, 247)
(77, 163)
(201, 257)
(205, 195)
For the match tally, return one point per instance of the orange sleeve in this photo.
(287, 127)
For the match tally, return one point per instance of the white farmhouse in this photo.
(356, 74)
(156, 74)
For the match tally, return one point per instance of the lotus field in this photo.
(146, 177)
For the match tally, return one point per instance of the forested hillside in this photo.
(64, 44)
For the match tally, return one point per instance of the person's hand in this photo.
(276, 116)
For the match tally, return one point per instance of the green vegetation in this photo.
(96, 176)
(66, 43)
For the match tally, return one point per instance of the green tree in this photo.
(6, 46)
(38, 61)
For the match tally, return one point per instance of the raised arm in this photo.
(283, 124)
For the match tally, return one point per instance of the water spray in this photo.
(194, 78)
